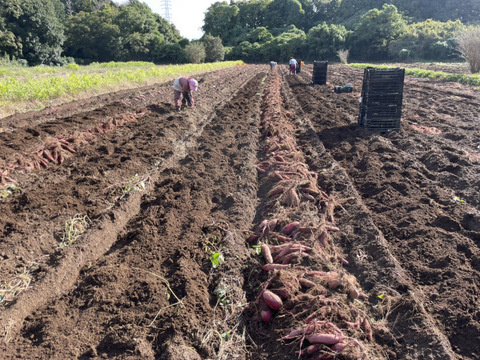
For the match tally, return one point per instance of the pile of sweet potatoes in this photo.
(56, 149)
(307, 290)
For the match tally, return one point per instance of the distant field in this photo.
(455, 72)
(29, 88)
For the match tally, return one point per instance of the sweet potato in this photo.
(316, 273)
(273, 301)
(299, 332)
(68, 148)
(353, 293)
(332, 228)
(323, 238)
(310, 191)
(333, 284)
(48, 155)
(312, 349)
(340, 346)
(287, 229)
(367, 329)
(262, 225)
(294, 255)
(291, 198)
(265, 312)
(307, 284)
(252, 238)
(308, 196)
(282, 292)
(282, 253)
(271, 224)
(266, 253)
(327, 339)
(271, 267)
(281, 238)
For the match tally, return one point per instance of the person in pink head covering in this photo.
(183, 87)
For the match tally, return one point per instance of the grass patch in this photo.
(468, 79)
(27, 88)
(8, 190)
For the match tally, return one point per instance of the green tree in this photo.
(220, 19)
(120, 33)
(214, 50)
(323, 41)
(195, 52)
(169, 31)
(252, 13)
(374, 32)
(31, 30)
(138, 31)
(94, 36)
(75, 6)
(349, 12)
(440, 10)
(427, 40)
(285, 45)
(260, 35)
(9, 44)
(170, 54)
(282, 13)
(246, 51)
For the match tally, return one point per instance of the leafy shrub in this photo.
(72, 66)
(427, 40)
(324, 41)
(214, 50)
(195, 52)
(375, 30)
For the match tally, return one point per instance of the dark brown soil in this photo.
(165, 192)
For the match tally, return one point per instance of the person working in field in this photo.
(293, 66)
(183, 87)
(272, 65)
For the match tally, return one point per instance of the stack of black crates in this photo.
(320, 72)
(381, 101)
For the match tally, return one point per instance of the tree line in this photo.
(56, 32)
(263, 30)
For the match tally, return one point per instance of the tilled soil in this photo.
(164, 192)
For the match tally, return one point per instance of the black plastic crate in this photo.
(320, 72)
(381, 101)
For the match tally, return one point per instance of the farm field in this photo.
(130, 231)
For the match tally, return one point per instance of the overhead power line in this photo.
(167, 9)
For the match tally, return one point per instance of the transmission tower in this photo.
(166, 7)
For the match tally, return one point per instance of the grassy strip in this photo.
(470, 79)
(15, 70)
(69, 83)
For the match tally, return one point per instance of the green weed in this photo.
(8, 190)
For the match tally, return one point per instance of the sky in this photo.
(187, 15)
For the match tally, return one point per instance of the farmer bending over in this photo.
(293, 66)
(182, 91)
